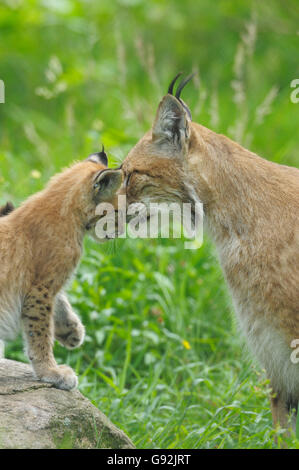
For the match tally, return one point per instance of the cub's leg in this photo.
(38, 324)
(68, 329)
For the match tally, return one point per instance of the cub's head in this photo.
(82, 194)
(101, 198)
(91, 191)
(155, 169)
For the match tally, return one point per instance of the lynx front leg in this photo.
(282, 413)
(279, 412)
(68, 329)
(2, 349)
(37, 317)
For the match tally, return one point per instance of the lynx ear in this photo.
(5, 210)
(171, 127)
(106, 183)
(99, 157)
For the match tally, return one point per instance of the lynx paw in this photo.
(62, 377)
(70, 333)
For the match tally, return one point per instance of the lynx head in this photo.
(75, 194)
(154, 170)
(104, 183)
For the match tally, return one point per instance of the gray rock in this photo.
(34, 415)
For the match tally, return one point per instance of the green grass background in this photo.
(163, 357)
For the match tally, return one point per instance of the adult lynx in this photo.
(251, 209)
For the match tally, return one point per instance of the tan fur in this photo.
(68, 329)
(40, 246)
(251, 209)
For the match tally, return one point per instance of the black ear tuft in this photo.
(179, 90)
(170, 88)
(5, 210)
(183, 84)
(99, 157)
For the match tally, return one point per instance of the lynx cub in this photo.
(40, 246)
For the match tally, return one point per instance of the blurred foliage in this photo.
(163, 357)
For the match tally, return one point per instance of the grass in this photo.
(163, 357)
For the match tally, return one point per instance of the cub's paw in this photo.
(70, 333)
(62, 377)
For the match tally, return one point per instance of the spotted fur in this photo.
(40, 246)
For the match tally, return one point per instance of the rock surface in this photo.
(34, 415)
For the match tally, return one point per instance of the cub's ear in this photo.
(171, 129)
(106, 183)
(99, 157)
(5, 210)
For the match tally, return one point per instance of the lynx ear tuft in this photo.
(99, 157)
(5, 210)
(179, 90)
